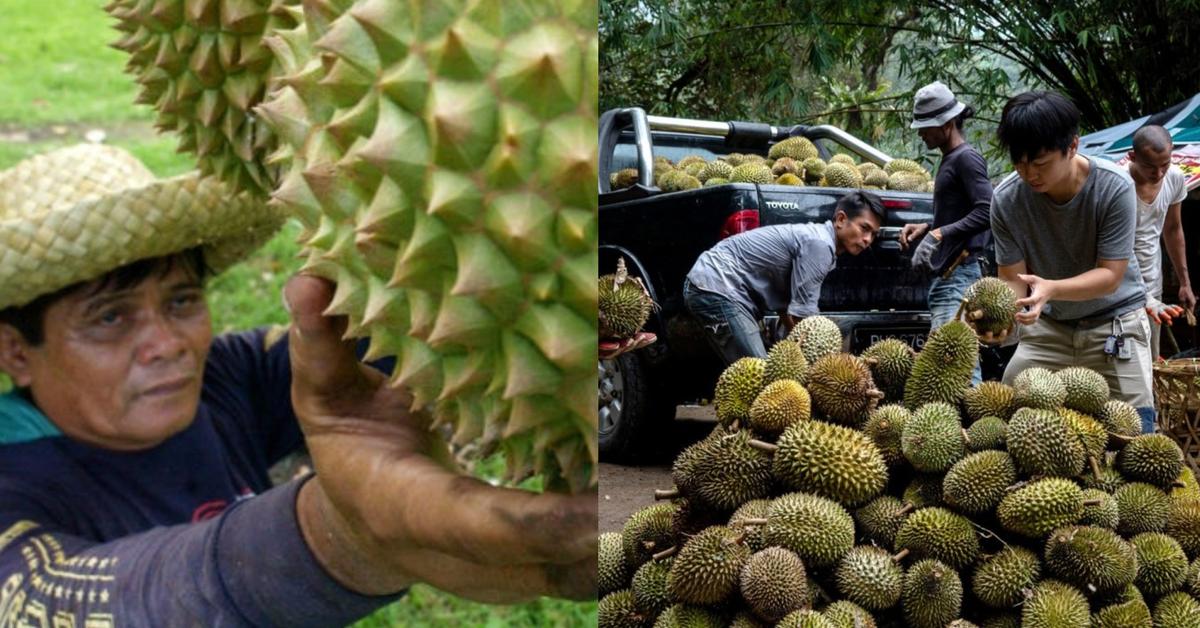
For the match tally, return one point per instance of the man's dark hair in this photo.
(855, 203)
(29, 319)
(967, 112)
(1037, 121)
(1151, 137)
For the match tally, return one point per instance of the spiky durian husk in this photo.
(798, 148)
(891, 363)
(203, 66)
(991, 304)
(439, 160)
(942, 370)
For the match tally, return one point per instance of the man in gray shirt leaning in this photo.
(1063, 225)
(770, 269)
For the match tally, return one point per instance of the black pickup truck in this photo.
(871, 296)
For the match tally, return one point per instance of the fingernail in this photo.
(286, 304)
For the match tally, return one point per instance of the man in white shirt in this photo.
(1161, 187)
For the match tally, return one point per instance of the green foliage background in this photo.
(60, 80)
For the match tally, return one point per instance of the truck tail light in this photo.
(739, 222)
(895, 203)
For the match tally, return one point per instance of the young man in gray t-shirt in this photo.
(1064, 227)
(770, 269)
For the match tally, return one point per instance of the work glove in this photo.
(1162, 313)
(923, 256)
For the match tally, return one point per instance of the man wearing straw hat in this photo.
(134, 452)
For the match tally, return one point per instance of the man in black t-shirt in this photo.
(962, 196)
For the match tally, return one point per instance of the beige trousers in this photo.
(1054, 345)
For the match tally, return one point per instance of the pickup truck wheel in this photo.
(628, 427)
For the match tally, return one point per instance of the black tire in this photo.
(631, 419)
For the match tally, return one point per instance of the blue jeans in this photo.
(945, 295)
(1148, 424)
(731, 330)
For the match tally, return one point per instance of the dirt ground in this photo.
(627, 489)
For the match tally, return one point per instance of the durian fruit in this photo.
(843, 158)
(876, 178)
(1090, 432)
(1087, 390)
(714, 181)
(786, 165)
(1152, 458)
(756, 537)
(737, 388)
(667, 180)
(684, 181)
(819, 530)
(987, 433)
(932, 594)
(691, 160)
(612, 571)
(932, 440)
(789, 179)
(890, 361)
(1121, 420)
(906, 182)
(745, 619)
(904, 165)
(649, 586)
(1038, 388)
(773, 583)
(1094, 559)
(804, 618)
(707, 568)
(204, 66)
(830, 461)
(938, 533)
(1132, 614)
(989, 399)
(1001, 579)
(1162, 565)
(1176, 610)
(881, 518)
(715, 169)
(688, 616)
(1043, 443)
(839, 175)
(723, 471)
(842, 388)
(847, 614)
(1041, 506)
(694, 168)
(620, 610)
(817, 336)
(442, 163)
(943, 368)
(1192, 583)
(1053, 604)
(975, 484)
(797, 148)
(647, 532)
(752, 173)
(924, 490)
(780, 404)
(990, 305)
(885, 427)
(785, 360)
(624, 304)
(1100, 509)
(814, 170)
(1109, 481)
(1141, 508)
(1183, 523)
(733, 159)
(870, 577)
(1001, 620)
(623, 178)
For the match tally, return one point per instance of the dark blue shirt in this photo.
(189, 532)
(962, 201)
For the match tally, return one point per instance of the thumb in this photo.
(1027, 278)
(322, 363)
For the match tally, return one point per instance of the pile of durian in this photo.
(884, 490)
(794, 161)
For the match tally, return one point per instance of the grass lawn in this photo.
(61, 81)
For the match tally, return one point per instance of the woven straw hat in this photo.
(76, 213)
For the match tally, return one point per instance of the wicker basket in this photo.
(1177, 401)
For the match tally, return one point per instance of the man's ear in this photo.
(14, 355)
(840, 218)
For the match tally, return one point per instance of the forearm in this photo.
(1177, 251)
(1092, 284)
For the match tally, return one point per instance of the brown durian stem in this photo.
(900, 556)
(1178, 484)
(667, 493)
(1093, 502)
(667, 553)
(763, 445)
(966, 438)
(907, 508)
(753, 522)
(875, 393)
(870, 361)
(1121, 438)
(958, 313)
(1095, 466)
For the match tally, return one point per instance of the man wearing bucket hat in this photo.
(953, 245)
(134, 452)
